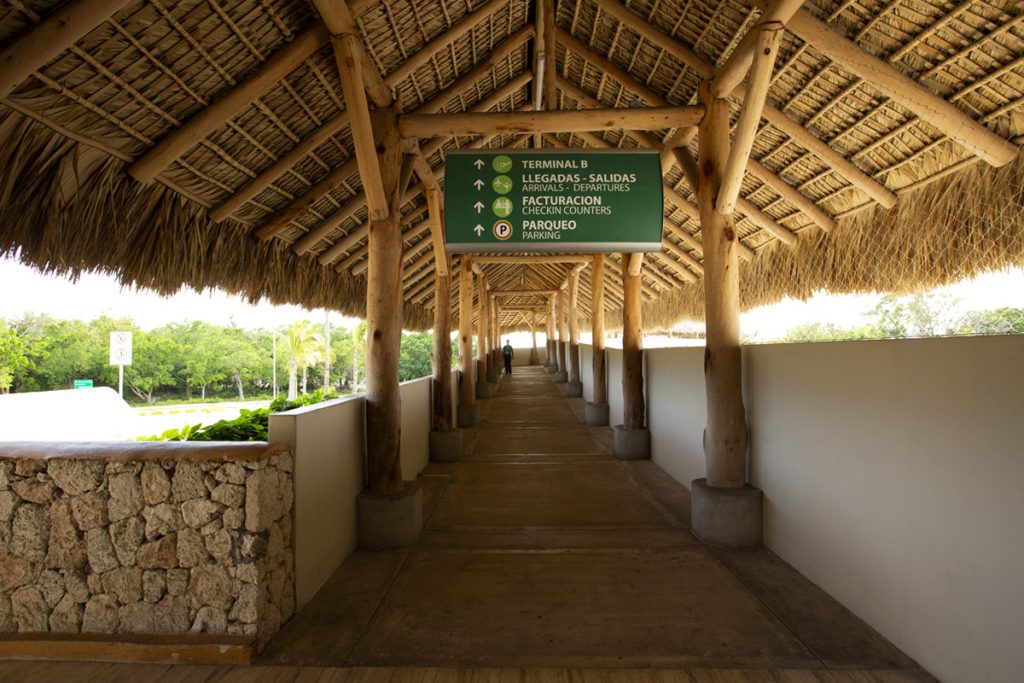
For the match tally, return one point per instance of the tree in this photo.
(299, 341)
(13, 358)
(154, 362)
(1003, 320)
(414, 356)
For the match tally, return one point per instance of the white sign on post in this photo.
(120, 348)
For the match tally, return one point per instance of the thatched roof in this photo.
(268, 149)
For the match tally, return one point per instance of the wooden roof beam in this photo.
(902, 89)
(533, 258)
(207, 120)
(767, 47)
(433, 125)
(347, 54)
(673, 150)
(786, 125)
(340, 22)
(434, 206)
(42, 43)
(280, 219)
(774, 15)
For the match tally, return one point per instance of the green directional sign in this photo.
(83, 384)
(553, 201)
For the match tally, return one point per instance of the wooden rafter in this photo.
(767, 47)
(775, 14)
(905, 91)
(780, 120)
(47, 39)
(207, 120)
(683, 135)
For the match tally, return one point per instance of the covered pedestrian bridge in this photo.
(798, 512)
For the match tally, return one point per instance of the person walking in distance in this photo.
(507, 353)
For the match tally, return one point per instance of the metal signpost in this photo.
(553, 201)
(120, 355)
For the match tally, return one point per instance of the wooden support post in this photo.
(441, 359)
(574, 327)
(534, 356)
(563, 334)
(467, 387)
(551, 359)
(597, 328)
(725, 439)
(482, 324)
(632, 350)
(384, 320)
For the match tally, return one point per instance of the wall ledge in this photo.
(132, 451)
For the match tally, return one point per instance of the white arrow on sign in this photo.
(479, 206)
(479, 183)
(479, 230)
(479, 163)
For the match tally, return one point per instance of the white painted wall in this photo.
(613, 361)
(415, 426)
(676, 424)
(893, 475)
(894, 479)
(328, 442)
(587, 371)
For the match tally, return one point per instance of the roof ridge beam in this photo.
(208, 119)
(45, 41)
(840, 164)
(648, 118)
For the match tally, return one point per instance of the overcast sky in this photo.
(26, 290)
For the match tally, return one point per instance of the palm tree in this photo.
(299, 338)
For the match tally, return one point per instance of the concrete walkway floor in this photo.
(545, 559)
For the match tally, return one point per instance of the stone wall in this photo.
(146, 538)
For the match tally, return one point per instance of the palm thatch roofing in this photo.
(255, 188)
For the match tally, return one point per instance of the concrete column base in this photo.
(560, 377)
(726, 517)
(534, 358)
(486, 389)
(469, 415)
(492, 378)
(596, 414)
(446, 446)
(574, 389)
(631, 444)
(393, 521)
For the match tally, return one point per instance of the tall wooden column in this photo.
(563, 336)
(481, 332)
(597, 329)
(441, 358)
(632, 350)
(384, 318)
(534, 357)
(467, 386)
(725, 439)
(552, 358)
(496, 362)
(575, 387)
